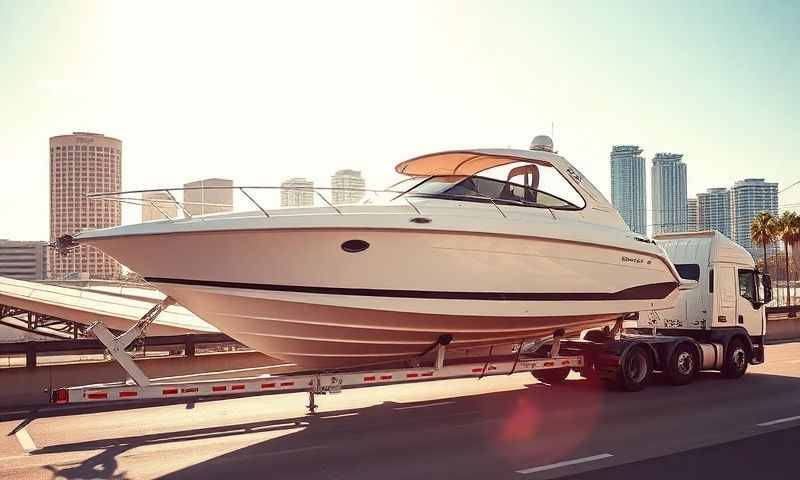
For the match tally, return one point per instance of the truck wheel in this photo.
(736, 359)
(552, 376)
(682, 367)
(634, 373)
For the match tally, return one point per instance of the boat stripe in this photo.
(641, 292)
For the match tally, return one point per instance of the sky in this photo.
(261, 91)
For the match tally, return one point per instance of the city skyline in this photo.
(739, 85)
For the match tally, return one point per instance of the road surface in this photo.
(494, 428)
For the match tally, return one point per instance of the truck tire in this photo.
(736, 359)
(552, 376)
(682, 366)
(635, 371)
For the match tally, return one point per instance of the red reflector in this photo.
(370, 378)
(476, 370)
(169, 391)
(128, 394)
(97, 396)
(237, 387)
(427, 374)
(386, 377)
(287, 384)
(60, 396)
(219, 388)
(412, 375)
(564, 362)
(267, 385)
(549, 364)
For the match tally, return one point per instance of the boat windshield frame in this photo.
(482, 197)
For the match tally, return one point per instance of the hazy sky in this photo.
(260, 91)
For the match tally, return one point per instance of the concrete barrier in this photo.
(783, 329)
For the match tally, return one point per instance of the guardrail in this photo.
(188, 342)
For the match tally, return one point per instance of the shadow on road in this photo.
(420, 442)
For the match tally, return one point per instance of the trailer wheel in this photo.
(736, 359)
(635, 371)
(682, 367)
(552, 376)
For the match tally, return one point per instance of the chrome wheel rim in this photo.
(685, 363)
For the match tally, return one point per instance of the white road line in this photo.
(341, 415)
(565, 463)
(424, 406)
(776, 422)
(25, 440)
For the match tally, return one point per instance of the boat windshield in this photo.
(483, 189)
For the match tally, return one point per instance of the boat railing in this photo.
(194, 208)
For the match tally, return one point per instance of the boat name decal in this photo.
(628, 259)
(574, 174)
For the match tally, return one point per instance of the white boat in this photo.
(452, 252)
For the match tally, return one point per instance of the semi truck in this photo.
(718, 325)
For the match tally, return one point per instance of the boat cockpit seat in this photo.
(530, 179)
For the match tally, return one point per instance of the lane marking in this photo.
(565, 463)
(424, 406)
(25, 440)
(776, 422)
(341, 415)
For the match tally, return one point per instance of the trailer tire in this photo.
(682, 366)
(635, 371)
(737, 357)
(552, 376)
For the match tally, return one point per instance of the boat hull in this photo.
(296, 295)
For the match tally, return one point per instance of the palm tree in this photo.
(788, 228)
(763, 231)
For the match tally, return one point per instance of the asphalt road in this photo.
(491, 428)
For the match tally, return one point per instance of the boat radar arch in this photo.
(542, 143)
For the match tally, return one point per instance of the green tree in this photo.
(763, 231)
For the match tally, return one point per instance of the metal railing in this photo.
(136, 197)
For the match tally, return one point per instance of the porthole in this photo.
(355, 246)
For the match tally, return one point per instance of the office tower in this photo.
(158, 206)
(668, 190)
(297, 192)
(23, 260)
(714, 210)
(80, 164)
(212, 195)
(347, 179)
(628, 186)
(692, 215)
(749, 197)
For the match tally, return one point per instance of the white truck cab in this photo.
(731, 292)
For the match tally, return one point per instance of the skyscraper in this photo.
(211, 195)
(749, 197)
(347, 179)
(158, 206)
(628, 186)
(668, 190)
(714, 210)
(294, 195)
(80, 164)
(692, 215)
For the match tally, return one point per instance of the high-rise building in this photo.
(211, 195)
(297, 192)
(628, 186)
(749, 197)
(23, 260)
(668, 190)
(80, 164)
(714, 210)
(347, 179)
(692, 215)
(158, 206)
